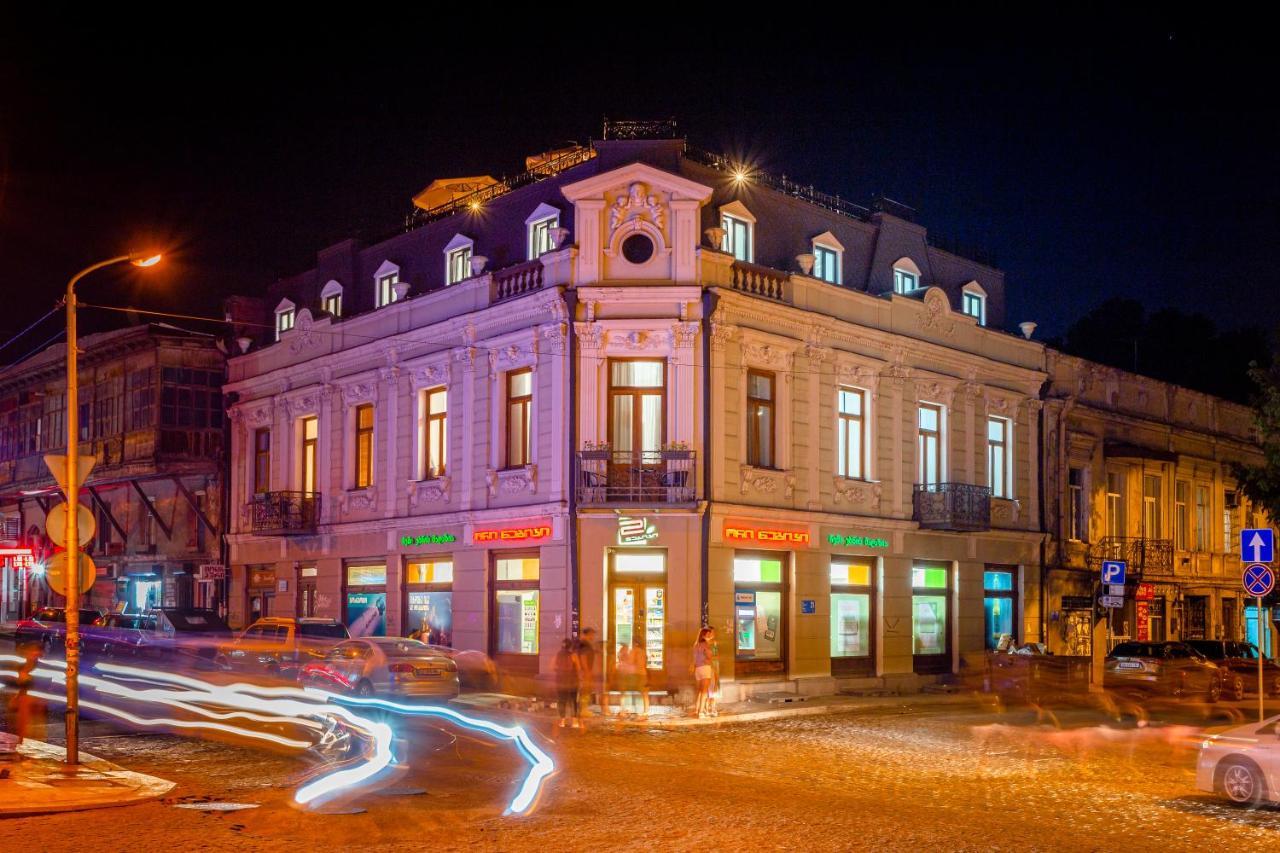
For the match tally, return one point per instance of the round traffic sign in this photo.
(55, 524)
(56, 573)
(1258, 579)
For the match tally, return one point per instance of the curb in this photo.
(38, 794)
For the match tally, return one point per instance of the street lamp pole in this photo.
(71, 484)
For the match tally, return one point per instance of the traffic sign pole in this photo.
(1258, 604)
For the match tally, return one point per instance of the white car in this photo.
(1242, 764)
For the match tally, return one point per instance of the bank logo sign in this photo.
(854, 541)
(634, 530)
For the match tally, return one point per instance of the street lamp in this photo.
(71, 484)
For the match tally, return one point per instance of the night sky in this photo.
(1097, 156)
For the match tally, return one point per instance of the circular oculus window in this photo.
(637, 249)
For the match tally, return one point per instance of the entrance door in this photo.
(638, 608)
(1197, 609)
(310, 437)
(637, 422)
(1251, 628)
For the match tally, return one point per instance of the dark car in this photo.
(48, 626)
(1162, 669)
(190, 634)
(117, 635)
(1241, 660)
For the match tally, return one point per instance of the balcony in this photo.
(282, 513)
(604, 477)
(958, 507)
(1140, 553)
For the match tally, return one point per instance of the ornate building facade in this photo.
(641, 390)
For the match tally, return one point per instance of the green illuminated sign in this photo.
(857, 541)
(428, 539)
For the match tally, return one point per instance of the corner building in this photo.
(638, 390)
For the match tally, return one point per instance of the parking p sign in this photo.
(1113, 571)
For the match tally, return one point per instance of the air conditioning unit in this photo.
(1232, 499)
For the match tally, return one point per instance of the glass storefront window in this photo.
(928, 577)
(998, 606)
(633, 562)
(846, 572)
(517, 618)
(850, 624)
(430, 571)
(757, 569)
(366, 600)
(367, 575)
(930, 584)
(431, 613)
(759, 624)
(517, 568)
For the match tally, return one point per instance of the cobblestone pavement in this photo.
(901, 778)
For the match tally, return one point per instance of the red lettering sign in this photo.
(757, 535)
(1142, 610)
(514, 534)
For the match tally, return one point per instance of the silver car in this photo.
(392, 667)
(1242, 764)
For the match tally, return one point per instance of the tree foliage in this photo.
(1261, 483)
(1170, 345)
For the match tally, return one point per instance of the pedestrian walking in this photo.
(703, 673)
(640, 674)
(585, 649)
(28, 711)
(713, 695)
(568, 681)
(633, 679)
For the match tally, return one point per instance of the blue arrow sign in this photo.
(1113, 571)
(1257, 545)
(1259, 579)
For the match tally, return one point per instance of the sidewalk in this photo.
(38, 783)
(671, 717)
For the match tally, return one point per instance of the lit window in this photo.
(905, 281)
(826, 264)
(975, 305)
(851, 440)
(458, 265)
(284, 320)
(1116, 515)
(331, 299)
(364, 446)
(998, 468)
(515, 605)
(760, 420)
(737, 237)
(519, 417)
(1152, 519)
(929, 445)
(434, 431)
(540, 235)
(1181, 515)
(261, 460)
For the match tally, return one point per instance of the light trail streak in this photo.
(299, 706)
(541, 764)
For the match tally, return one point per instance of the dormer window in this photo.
(973, 301)
(285, 314)
(540, 224)
(385, 279)
(906, 276)
(457, 260)
(739, 227)
(828, 255)
(331, 299)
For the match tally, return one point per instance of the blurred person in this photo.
(633, 679)
(713, 695)
(585, 649)
(568, 681)
(28, 711)
(703, 673)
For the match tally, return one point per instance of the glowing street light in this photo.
(71, 484)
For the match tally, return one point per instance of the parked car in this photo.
(1241, 659)
(1164, 669)
(118, 635)
(281, 646)
(394, 667)
(1242, 764)
(48, 626)
(476, 670)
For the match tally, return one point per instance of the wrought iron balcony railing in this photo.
(951, 506)
(649, 476)
(1141, 554)
(282, 513)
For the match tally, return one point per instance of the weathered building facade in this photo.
(639, 390)
(152, 414)
(1140, 470)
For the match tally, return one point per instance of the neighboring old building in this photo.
(151, 411)
(635, 389)
(1140, 470)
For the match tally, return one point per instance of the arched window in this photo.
(285, 313)
(906, 276)
(331, 299)
(973, 301)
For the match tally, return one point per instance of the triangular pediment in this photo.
(597, 185)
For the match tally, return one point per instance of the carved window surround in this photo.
(358, 500)
(861, 495)
(429, 491)
(1006, 512)
(766, 481)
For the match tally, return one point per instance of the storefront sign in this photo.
(535, 531)
(1142, 612)
(853, 541)
(211, 572)
(19, 558)
(410, 541)
(745, 598)
(262, 577)
(1146, 592)
(635, 530)
(367, 614)
(808, 605)
(765, 535)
